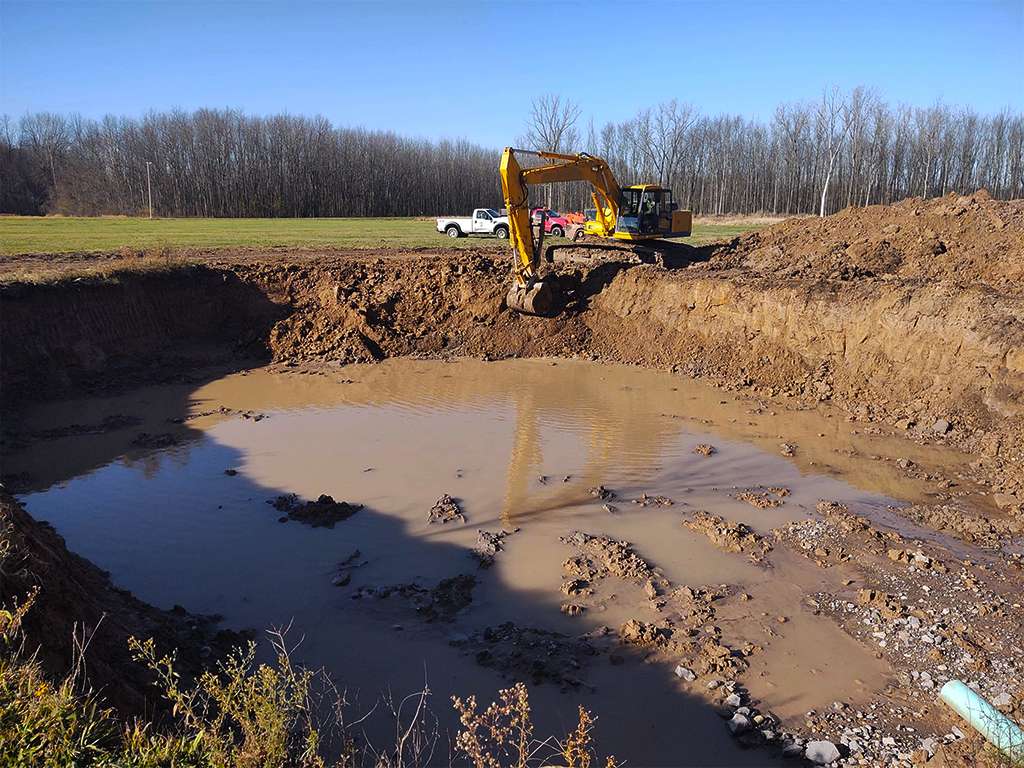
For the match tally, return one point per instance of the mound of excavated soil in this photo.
(962, 239)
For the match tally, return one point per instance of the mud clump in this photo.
(445, 510)
(644, 634)
(602, 493)
(325, 512)
(645, 500)
(601, 556)
(441, 603)
(732, 537)
(521, 653)
(488, 545)
(768, 499)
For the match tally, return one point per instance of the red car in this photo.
(554, 223)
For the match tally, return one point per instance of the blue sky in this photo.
(453, 69)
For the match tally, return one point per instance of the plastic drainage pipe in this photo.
(1001, 732)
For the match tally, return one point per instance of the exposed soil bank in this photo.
(83, 335)
(76, 603)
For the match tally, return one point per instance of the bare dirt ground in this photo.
(908, 319)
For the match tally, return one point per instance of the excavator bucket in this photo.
(543, 298)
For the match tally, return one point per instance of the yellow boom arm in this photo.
(515, 183)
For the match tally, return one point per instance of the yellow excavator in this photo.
(641, 213)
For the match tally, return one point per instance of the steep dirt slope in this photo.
(77, 602)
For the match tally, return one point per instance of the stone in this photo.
(1002, 700)
(733, 700)
(738, 724)
(792, 750)
(685, 673)
(941, 427)
(821, 752)
(1005, 500)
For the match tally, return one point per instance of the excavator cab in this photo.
(647, 211)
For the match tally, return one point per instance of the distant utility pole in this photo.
(149, 189)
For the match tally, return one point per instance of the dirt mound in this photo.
(963, 239)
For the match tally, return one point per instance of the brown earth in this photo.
(910, 317)
(959, 239)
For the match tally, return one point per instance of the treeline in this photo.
(847, 149)
(224, 163)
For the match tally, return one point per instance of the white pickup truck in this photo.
(484, 221)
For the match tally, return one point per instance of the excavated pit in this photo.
(892, 392)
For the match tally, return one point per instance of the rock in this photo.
(230, 472)
(1005, 500)
(738, 724)
(941, 427)
(792, 750)
(1002, 700)
(733, 700)
(685, 673)
(821, 752)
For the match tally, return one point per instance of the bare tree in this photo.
(833, 126)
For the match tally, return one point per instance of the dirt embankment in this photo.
(83, 335)
(77, 607)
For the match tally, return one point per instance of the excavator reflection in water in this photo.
(609, 428)
(638, 214)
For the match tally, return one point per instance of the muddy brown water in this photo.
(518, 443)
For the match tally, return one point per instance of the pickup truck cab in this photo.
(484, 221)
(554, 223)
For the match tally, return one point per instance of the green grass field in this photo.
(43, 235)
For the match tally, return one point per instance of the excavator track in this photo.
(661, 252)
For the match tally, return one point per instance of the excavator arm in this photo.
(528, 293)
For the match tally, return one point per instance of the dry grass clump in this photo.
(502, 735)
